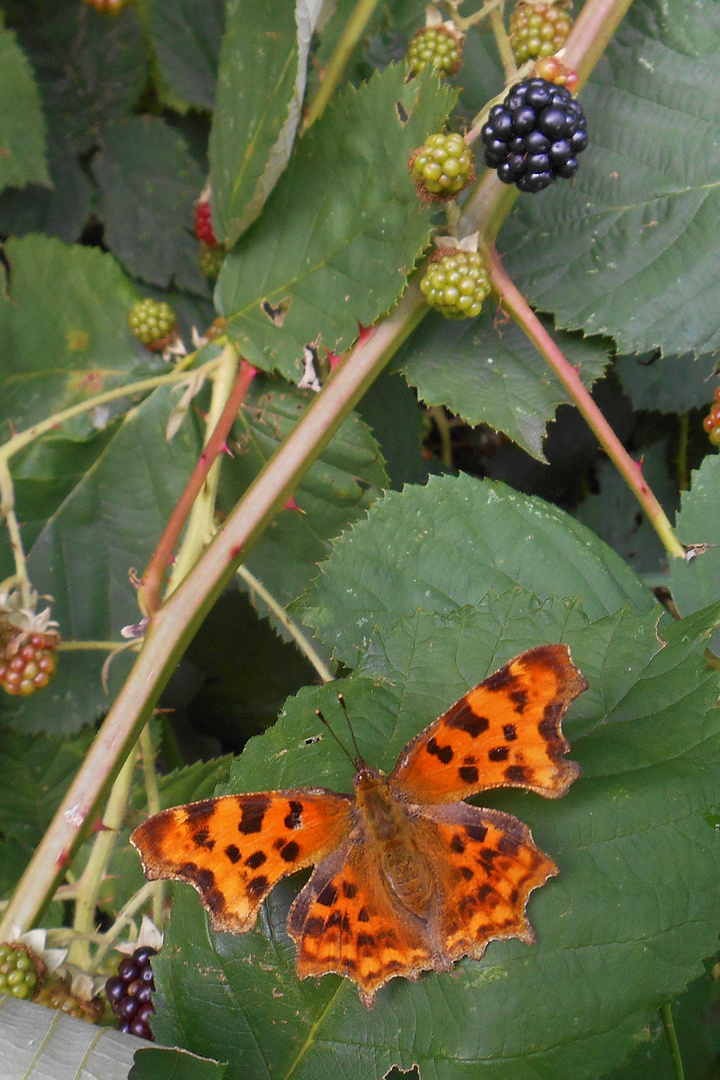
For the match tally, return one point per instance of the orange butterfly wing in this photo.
(235, 848)
(504, 733)
(345, 920)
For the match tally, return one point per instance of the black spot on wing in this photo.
(348, 889)
(456, 844)
(314, 927)
(202, 838)
(365, 941)
(500, 680)
(290, 852)
(293, 819)
(499, 753)
(252, 812)
(328, 895)
(256, 859)
(476, 832)
(468, 773)
(467, 872)
(257, 886)
(516, 774)
(467, 720)
(363, 915)
(509, 732)
(519, 699)
(443, 753)
(200, 811)
(233, 853)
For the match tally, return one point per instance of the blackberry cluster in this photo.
(437, 47)
(711, 423)
(456, 284)
(534, 137)
(28, 660)
(441, 167)
(130, 993)
(18, 972)
(210, 260)
(538, 29)
(203, 224)
(153, 322)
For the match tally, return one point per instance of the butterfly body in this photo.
(389, 825)
(408, 877)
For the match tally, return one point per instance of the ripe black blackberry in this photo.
(130, 993)
(534, 137)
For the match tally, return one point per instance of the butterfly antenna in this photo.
(341, 745)
(341, 699)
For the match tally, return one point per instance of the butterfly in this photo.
(408, 877)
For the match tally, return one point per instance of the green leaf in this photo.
(186, 37)
(91, 68)
(149, 182)
(35, 772)
(623, 929)
(65, 331)
(494, 375)
(22, 128)
(337, 489)
(248, 672)
(166, 1063)
(694, 583)
(41, 1044)
(630, 249)
(59, 211)
(390, 409)
(261, 84)
(668, 384)
(695, 1015)
(343, 228)
(108, 525)
(446, 545)
(615, 516)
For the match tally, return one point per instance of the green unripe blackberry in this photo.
(210, 259)
(18, 972)
(153, 322)
(57, 994)
(441, 167)
(437, 47)
(538, 29)
(456, 284)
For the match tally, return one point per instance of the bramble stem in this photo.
(200, 522)
(150, 591)
(88, 886)
(352, 32)
(7, 512)
(178, 619)
(152, 791)
(671, 1036)
(301, 640)
(23, 438)
(516, 305)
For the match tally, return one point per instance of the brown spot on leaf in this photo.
(276, 313)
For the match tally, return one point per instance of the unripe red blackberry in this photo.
(130, 993)
(110, 7)
(203, 224)
(538, 28)
(456, 284)
(441, 167)
(534, 137)
(711, 423)
(210, 260)
(28, 660)
(153, 322)
(19, 971)
(438, 47)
